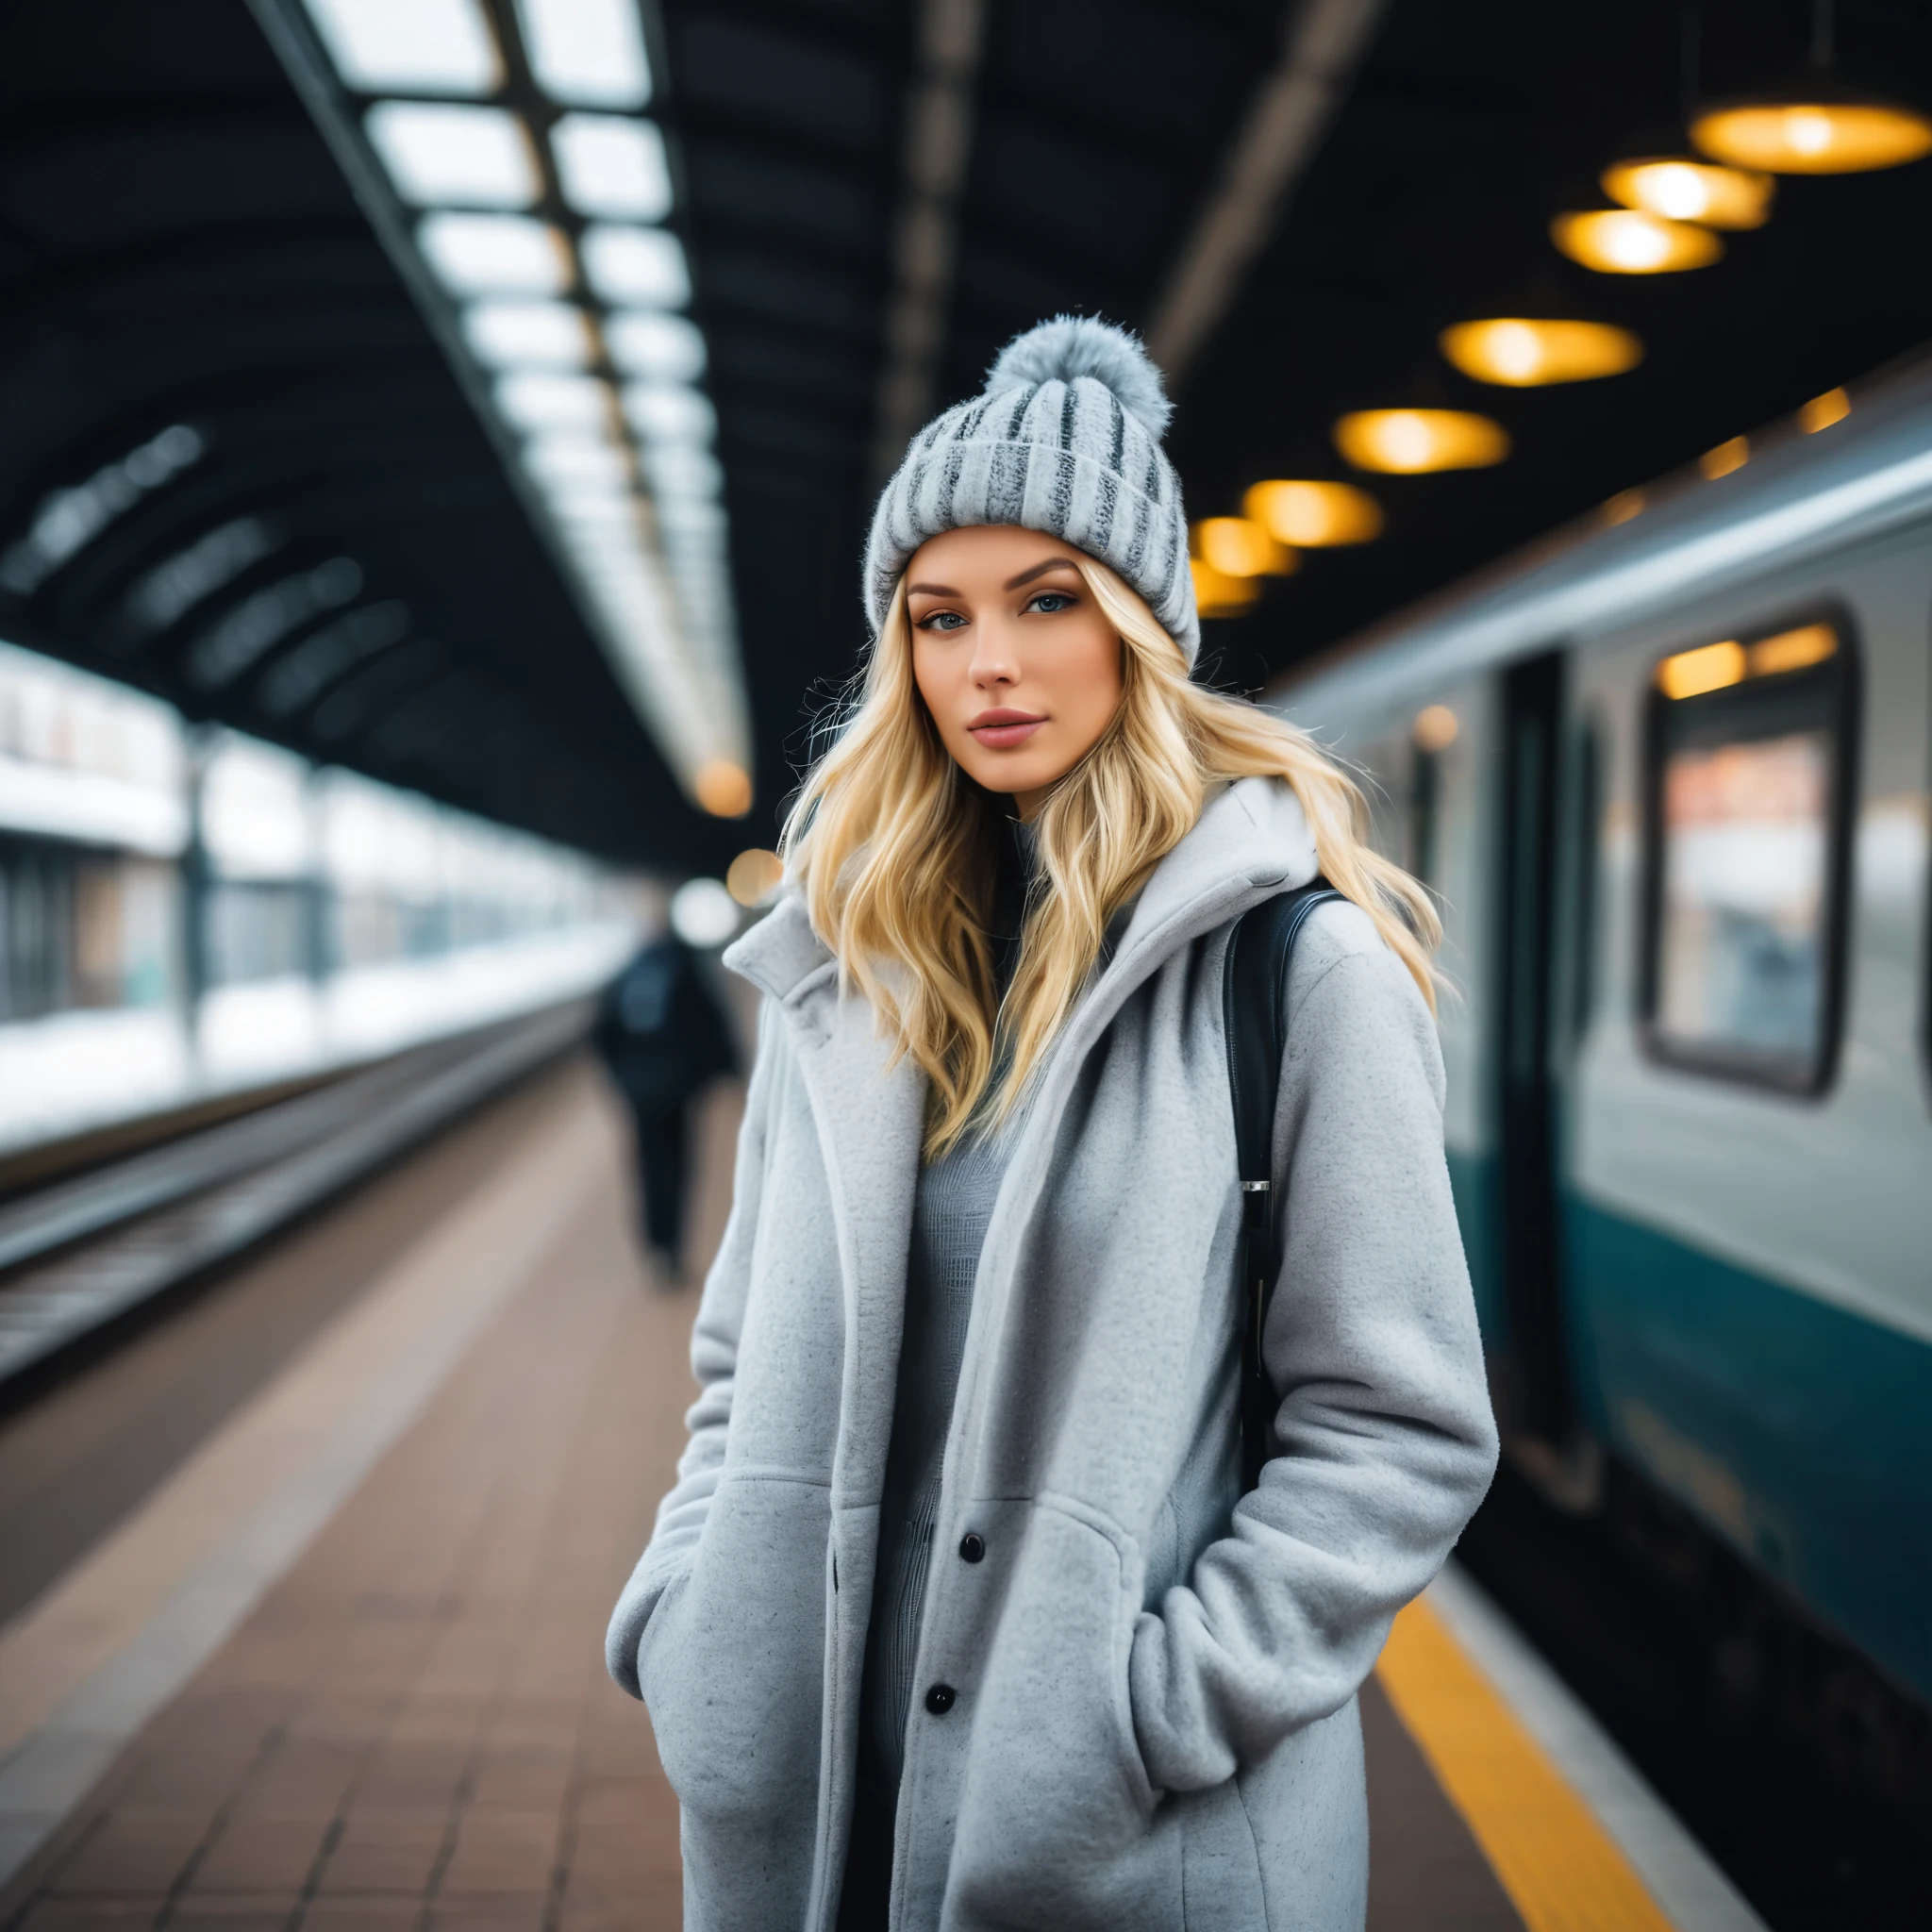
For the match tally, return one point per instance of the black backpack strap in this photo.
(1254, 1007)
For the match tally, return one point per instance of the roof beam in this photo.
(1323, 42)
(938, 139)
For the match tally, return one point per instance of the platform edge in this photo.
(1686, 1882)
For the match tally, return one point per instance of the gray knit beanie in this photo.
(1065, 440)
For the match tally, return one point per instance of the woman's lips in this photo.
(1002, 730)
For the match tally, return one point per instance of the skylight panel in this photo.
(575, 459)
(410, 46)
(682, 469)
(538, 403)
(170, 589)
(587, 53)
(67, 521)
(507, 335)
(609, 165)
(595, 511)
(442, 155)
(478, 255)
(659, 348)
(693, 520)
(640, 267)
(669, 412)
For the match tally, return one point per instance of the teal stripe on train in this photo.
(1801, 1432)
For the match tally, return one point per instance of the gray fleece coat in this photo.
(1152, 1722)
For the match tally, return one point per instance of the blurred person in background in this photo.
(664, 1038)
(965, 1610)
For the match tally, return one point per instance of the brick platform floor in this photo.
(414, 1728)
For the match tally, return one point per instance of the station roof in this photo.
(873, 196)
(180, 251)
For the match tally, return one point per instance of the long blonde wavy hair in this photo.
(895, 851)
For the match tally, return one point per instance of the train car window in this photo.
(1749, 769)
(255, 931)
(36, 928)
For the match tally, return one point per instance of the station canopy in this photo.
(489, 395)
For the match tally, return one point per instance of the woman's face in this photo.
(1016, 662)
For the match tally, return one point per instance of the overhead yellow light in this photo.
(1730, 455)
(722, 788)
(1627, 242)
(1409, 442)
(1314, 516)
(1435, 727)
(1623, 505)
(1685, 191)
(1217, 595)
(753, 876)
(1522, 354)
(1709, 667)
(1821, 412)
(1238, 548)
(1792, 650)
(1812, 137)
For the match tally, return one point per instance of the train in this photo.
(1666, 776)
(188, 914)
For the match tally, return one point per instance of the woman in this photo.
(956, 1615)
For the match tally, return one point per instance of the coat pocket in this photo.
(1059, 1826)
(732, 1662)
(1221, 1862)
(640, 1644)
(1306, 1802)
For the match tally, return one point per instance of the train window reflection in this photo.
(1745, 831)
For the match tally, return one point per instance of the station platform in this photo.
(302, 1596)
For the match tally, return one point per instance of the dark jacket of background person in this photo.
(663, 1036)
(1136, 1702)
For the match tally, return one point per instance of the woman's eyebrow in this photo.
(930, 591)
(1038, 569)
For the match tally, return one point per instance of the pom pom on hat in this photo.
(1076, 346)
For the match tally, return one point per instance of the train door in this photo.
(1535, 1391)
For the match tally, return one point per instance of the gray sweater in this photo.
(1135, 1711)
(950, 1214)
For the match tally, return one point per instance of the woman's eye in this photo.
(1050, 601)
(943, 619)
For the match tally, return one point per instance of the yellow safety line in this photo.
(1561, 1869)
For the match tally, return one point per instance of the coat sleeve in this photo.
(1386, 1438)
(714, 1362)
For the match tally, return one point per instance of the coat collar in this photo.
(780, 950)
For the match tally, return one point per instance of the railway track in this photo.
(81, 1255)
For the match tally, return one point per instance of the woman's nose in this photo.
(994, 660)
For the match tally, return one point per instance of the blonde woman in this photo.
(956, 1615)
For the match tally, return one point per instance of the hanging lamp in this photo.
(1412, 442)
(1629, 241)
(1814, 125)
(1527, 352)
(1682, 189)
